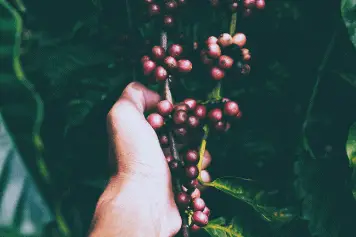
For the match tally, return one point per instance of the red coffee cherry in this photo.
(260, 4)
(214, 50)
(220, 126)
(164, 107)
(155, 120)
(194, 228)
(195, 194)
(144, 59)
(206, 211)
(215, 115)
(249, 3)
(149, 1)
(198, 204)
(175, 50)
(163, 140)
(170, 62)
(191, 171)
(180, 117)
(161, 73)
(225, 40)
(184, 65)
(239, 39)
(169, 158)
(192, 103)
(193, 121)
(192, 184)
(200, 111)
(225, 62)
(211, 40)
(183, 107)
(148, 67)
(158, 52)
(205, 58)
(154, 10)
(231, 108)
(183, 199)
(171, 5)
(234, 6)
(168, 21)
(217, 73)
(246, 57)
(192, 157)
(200, 219)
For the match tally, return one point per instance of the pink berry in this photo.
(198, 204)
(225, 61)
(192, 157)
(155, 120)
(184, 65)
(217, 73)
(175, 50)
(206, 211)
(239, 39)
(164, 107)
(211, 40)
(192, 103)
(170, 62)
(183, 199)
(158, 52)
(260, 4)
(215, 115)
(161, 73)
(148, 67)
(225, 40)
(200, 111)
(231, 108)
(200, 219)
(214, 50)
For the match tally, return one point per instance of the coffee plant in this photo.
(268, 87)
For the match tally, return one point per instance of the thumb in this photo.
(134, 143)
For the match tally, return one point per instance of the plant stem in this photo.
(173, 145)
(314, 93)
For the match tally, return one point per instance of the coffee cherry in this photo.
(225, 100)
(192, 184)
(164, 107)
(249, 3)
(234, 6)
(206, 211)
(198, 204)
(144, 59)
(214, 50)
(158, 52)
(231, 108)
(170, 62)
(220, 126)
(155, 120)
(175, 50)
(182, 107)
(200, 111)
(180, 117)
(183, 199)
(193, 121)
(154, 10)
(239, 39)
(225, 61)
(171, 5)
(246, 57)
(195, 194)
(191, 171)
(149, 1)
(192, 157)
(192, 103)
(200, 219)
(174, 166)
(245, 51)
(211, 40)
(205, 58)
(217, 73)
(184, 65)
(169, 159)
(180, 132)
(148, 67)
(225, 40)
(168, 21)
(161, 73)
(215, 115)
(163, 140)
(260, 4)
(194, 228)
(245, 69)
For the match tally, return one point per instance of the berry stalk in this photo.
(172, 143)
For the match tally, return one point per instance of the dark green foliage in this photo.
(296, 140)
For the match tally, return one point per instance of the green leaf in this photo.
(348, 12)
(351, 146)
(350, 78)
(219, 227)
(22, 208)
(250, 192)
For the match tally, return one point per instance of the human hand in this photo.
(139, 200)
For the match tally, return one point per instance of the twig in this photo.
(173, 145)
(315, 92)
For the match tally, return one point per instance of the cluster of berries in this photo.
(159, 66)
(246, 6)
(165, 10)
(190, 115)
(220, 54)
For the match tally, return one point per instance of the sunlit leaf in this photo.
(351, 146)
(348, 12)
(250, 192)
(220, 228)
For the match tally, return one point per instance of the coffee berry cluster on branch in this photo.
(246, 6)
